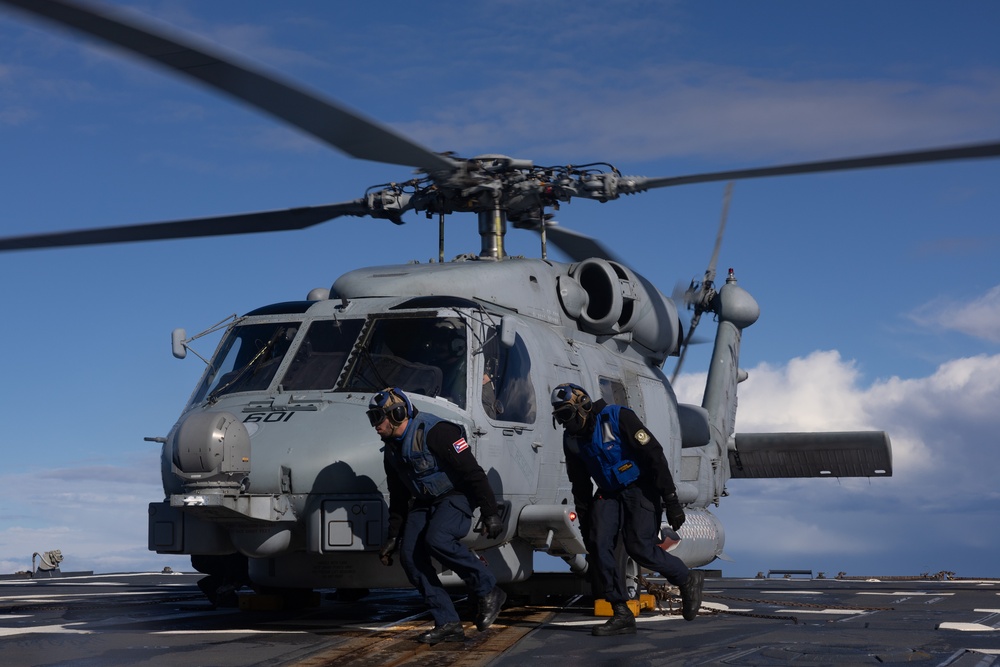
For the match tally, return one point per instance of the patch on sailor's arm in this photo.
(642, 436)
(460, 445)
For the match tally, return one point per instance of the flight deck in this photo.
(161, 619)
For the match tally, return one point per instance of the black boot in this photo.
(622, 623)
(489, 608)
(449, 632)
(691, 594)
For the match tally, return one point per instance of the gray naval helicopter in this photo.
(272, 475)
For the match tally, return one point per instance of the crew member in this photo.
(446, 350)
(434, 482)
(609, 444)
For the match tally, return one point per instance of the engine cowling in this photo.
(609, 299)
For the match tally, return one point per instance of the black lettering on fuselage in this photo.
(268, 417)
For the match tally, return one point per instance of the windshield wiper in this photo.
(250, 365)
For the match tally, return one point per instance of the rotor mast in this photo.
(492, 229)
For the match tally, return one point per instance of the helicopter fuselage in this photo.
(273, 457)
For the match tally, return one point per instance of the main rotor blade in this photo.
(966, 152)
(328, 121)
(577, 246)
(244, 223)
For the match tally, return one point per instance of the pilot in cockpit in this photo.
(446, 348)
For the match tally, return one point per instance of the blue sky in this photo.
(879, 291)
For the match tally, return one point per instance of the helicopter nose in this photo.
(211, 447)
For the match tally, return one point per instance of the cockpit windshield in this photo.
(321, 355)
(423, 355)
(251, 354)
(248, 359)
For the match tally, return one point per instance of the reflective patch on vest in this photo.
(460, 445)
(642, 436)
(625, 466)
(609, 435)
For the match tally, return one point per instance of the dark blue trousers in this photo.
(435, 531)
(634, 517)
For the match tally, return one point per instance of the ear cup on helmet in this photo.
(398, 414)
(408, 410)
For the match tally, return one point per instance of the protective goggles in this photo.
(377, 415)
(564, 413)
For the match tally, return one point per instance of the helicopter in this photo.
(272, 460)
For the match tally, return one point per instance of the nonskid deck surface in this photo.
(155, 619)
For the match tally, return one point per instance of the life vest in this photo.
(415, 463)
(605, 455)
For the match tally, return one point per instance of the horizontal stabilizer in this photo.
(781, 455)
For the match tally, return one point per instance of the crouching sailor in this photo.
(434, 482)
(609, 444)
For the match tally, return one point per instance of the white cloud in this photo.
(936, 509)
(818, 393)
(979, 317)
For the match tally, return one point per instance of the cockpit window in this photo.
(321, 355)
(248, 359)
(422, 355)
(508, 394)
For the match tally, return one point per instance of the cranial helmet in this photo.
(392, 404)
(450, 335)
(571, 405)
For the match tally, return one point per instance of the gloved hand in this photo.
(388, 549)
(675, 513)
(492, 526)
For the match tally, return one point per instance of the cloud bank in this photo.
(935, 513)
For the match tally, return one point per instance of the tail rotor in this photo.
(700, 295)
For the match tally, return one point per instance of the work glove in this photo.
(388, 549)
(492, 526)
(675, 513)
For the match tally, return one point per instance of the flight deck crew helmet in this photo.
(392, 404)
(571, 406)
(448, 338)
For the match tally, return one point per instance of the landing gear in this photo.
(225, 576)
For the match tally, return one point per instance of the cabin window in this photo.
(613, 392)
(321, 355)
(247, 359)
(508, 394)
(422, 355)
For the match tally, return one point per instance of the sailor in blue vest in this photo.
(610, 445)
(434, 482)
